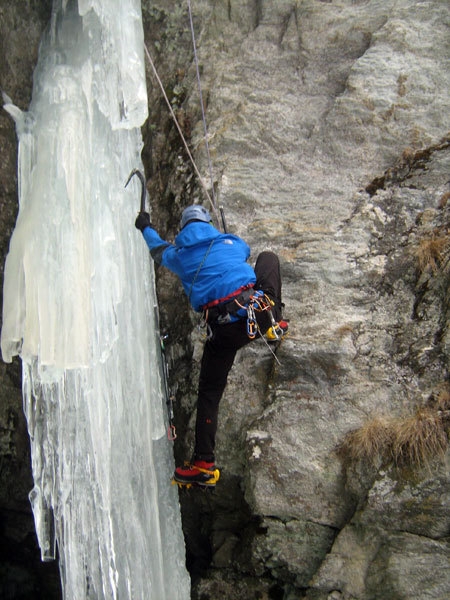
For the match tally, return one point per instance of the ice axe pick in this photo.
(144, 190)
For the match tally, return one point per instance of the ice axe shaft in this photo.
(144, 190)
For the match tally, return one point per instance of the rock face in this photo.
(328, 131)
(328, 127)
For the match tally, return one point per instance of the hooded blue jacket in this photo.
(211, 265)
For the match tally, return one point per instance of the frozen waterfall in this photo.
(80, 310)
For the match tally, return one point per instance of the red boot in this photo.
(200, 473)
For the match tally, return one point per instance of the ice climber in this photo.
(238, 304)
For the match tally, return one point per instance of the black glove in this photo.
(142, 221)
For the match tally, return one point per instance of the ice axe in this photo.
(144, 190)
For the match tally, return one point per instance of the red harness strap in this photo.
(227, 298)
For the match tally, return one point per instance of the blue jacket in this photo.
(222, 259)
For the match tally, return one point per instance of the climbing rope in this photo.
(202, 106)
(191, 158)
(212, 200)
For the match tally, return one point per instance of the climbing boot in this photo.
(199, 473)
(277, 331)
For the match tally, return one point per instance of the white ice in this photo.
(80, 310)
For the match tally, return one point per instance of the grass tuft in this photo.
(370, 443)
(418, 439)
(432, 253)
(442, 398)
(413, 441)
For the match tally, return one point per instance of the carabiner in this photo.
(252, 325)
(252, 328)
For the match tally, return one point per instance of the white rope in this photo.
(205, 129)
(268, 345)
(181, 133)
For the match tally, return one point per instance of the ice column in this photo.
(79, 309)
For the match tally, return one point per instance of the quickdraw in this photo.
(259, 302)
(252, 325)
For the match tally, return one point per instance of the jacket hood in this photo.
(196, 233)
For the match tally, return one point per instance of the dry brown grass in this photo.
(413, 441)
(370, 443)
(418, 439)
(442, 397)
(433, 252)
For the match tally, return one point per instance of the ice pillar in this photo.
(79, 309)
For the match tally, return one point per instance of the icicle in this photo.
(78, 308)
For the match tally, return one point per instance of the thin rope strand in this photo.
(205, 189)
(205, 129)
(268, 345)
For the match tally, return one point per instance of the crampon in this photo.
(199, 474)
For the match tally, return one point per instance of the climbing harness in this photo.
(243, 303)
(222, 309)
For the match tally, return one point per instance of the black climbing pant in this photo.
(219, 353)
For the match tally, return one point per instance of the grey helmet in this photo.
(194, 213)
